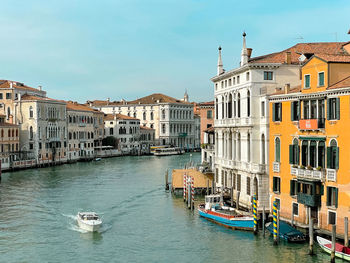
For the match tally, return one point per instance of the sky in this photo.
(125, 49)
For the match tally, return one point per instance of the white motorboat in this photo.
(168, 151)
(89, 221)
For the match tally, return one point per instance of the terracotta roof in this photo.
(103, 102)
(292, 90)
(38, 98)
(308, 49)
(333, 58)
(5, 84)
(146, 128)
(156, 98)
(110, 117)
(344, 83)
(208, 103)
(78, 107)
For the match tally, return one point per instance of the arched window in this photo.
(163, 114)
(239, 105)
(8, 113)
(263, 159)
(294, 152)
(229, 106)
(277, 150)
(248, 146)
(134, 114)
(304, 153)
(239, 146)
(144, 116)
(70, 136)
(248, 103)
(216, 109)
(333, 155)
(31, 133)
(222, 107)
(130, 130)
(31, 113)
(321, 154)
(151, 116)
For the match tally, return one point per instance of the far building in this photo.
(9, 142)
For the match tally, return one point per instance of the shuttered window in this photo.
(295, 111)
(332, 196)
(293, 187)
(277, 111)
(276, 184)
(333, 155)
(321, 79)
(306, 81)
(248, 185)
(333, 109)
(238, 182)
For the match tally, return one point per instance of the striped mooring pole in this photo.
(274, 215)
(255, 214)
(192, 193)
(185, 180)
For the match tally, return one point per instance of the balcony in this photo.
(331, 175)
(234, 122)
(312, 124)
(309, 200)
(276, 167)
(307, 174)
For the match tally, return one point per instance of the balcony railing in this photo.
(331, 175)
(307, 173)
(312, 124)
(309, 200)
(276, 167)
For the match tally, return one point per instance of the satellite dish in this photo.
(302, 58)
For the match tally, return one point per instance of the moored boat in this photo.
(168, 151)
(341, 251)
(89, 221)
(214, 210)
(288, 232)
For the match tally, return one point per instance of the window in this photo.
(332, 218)
(277, 150)
(209, 114)
(295, 209)
(248, 104)
(278, 202)
(304, 153)
(306, 81)
(237, 79)
(247, 76)
(320, 79)
(263, 109)
(31, 113)
(31, 146)
(8, 96)
(333, 109)
(151, 116)
(248, 185)
(293, 187)
(163, 128)
(277, 111)
(31, 133)
(306, 109)
(163, 114)
(333, 155)
(230, 82)
(276, 184)
(111, 131)
(238, 182)
(1, 96)
(332, 196)
(321, 155)
(144, 116)
(239, 105)
(295, 111)
(268, 75)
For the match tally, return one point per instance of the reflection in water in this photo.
(141, 222)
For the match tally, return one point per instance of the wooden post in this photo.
(311, 236)
(207, 187)
(231, 196)
(263, 221)
(333, 244)
(346, 232)
(166, 180)
(237, 200)
(212, 187)
(292, 221)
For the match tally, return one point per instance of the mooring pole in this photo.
(274, 215)
(263, 221)
(292, 221)
(346, 232)
(333, 244)
(185, 187)
(166, 180)
(237, 199)
(311, 236)
(189, 193)
(192, 197)
(231, 196)
(255, 212)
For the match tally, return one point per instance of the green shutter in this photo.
(292, 187)
(329, 157)
(336, 197)
(328, 109)
(337, 158)
(292, 105)
(337, 113)
(273, 112)
(298, 154)
(274, 184)
(291, 154)
(298, 110)
(328, 203)
(280, 111)
(322, 189)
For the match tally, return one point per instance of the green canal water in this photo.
(142, 222)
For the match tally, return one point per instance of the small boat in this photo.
(214, 210)
(287, 232)
(168, 151)
(98, 159)
(89, 221)
(341, 251)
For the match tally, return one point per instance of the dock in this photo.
(202, 182)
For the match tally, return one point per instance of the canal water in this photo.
(141, 222)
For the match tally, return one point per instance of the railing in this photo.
(307, 173)
(331, 175)
(276, 167)
(241, 121)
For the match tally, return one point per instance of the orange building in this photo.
(309, 137)
(205, 110)
(9, 141)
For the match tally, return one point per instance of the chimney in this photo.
(11, 84)
(286, 88)
(249, 52)
(39, 87)
(288, 59)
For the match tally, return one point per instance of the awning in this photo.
(312, 138)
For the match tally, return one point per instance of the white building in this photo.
(242, 120)
(126, 130)
(172, 119)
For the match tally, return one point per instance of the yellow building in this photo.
(309, 137)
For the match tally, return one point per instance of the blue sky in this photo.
(82, 50)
